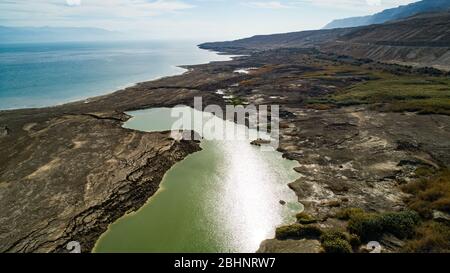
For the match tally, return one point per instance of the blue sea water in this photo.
(38, 75)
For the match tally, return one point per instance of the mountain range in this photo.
(420, 40)
(400, 12)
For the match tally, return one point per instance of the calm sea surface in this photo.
(37, 75)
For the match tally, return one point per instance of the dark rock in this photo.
(286, 114)
(302, 188)
(260, 142)
(407, 146)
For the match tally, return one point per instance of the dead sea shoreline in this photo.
(94, 171)
(81, 126)
(28, 130)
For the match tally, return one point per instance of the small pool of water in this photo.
(225, 198)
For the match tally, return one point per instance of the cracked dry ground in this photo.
(69, 177)
(356, 158)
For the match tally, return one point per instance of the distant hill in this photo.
(52, 34)
(392, 14)
(421, 40)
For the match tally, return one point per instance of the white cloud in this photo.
(267, 5)
(73, 2)
(374, 2)
(92, 8)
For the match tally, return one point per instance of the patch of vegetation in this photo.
(401, 224)
(298, 231)
(430, 192)
(347, 213)
(333, 71)
(371, 226)
(334, 241)
(428, 95)
(337, 246)
(331, 235)
(366, 225)
(306, 219)
(430, 237)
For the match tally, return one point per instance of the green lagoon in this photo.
(225, 198)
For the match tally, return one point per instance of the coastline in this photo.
(157, 60)
(346, 161)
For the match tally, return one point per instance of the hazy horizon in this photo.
(187, 19)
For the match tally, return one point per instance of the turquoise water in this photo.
(37, 75)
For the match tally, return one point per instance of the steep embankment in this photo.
(422, 40)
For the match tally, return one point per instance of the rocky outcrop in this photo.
(290, 246)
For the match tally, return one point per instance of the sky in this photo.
(188, 19)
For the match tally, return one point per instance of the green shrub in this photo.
(347, 213)
(331, 235)
(366, 225)
(298, 231)
(337, 246)
(334, 241)
(306, 219)
(371, 226)
(400, 224)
